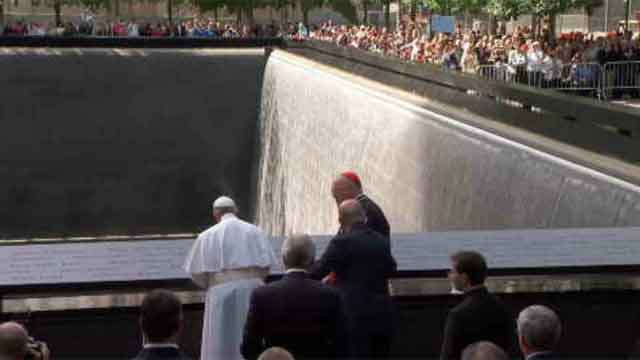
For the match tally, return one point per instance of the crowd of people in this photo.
(520, 56)
(570, 61)
(467, 50)
(337, 306)
(198, 27)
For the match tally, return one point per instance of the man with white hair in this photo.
(539, 331)
(230, 260)
(299, 314)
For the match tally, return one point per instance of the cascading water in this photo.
(428, 172)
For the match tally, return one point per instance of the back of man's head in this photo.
(472, 264)
(276, 353)
(346, 186)
(160, 316)
(13, 341)
(224, 205)
(351, 212)
(484, 350)
(298, 251)
(539, 329)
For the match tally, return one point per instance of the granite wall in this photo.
(124, 141)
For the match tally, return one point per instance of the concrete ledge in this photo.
(399, 287)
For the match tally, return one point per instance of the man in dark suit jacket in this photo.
(362, 263)
(539, 331)
(480, 316)
(161, 323)
(301, 315)
(348, 186)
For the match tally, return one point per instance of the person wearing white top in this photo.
(535, 59)
(229, 260)
(517, 60)
(133, 30)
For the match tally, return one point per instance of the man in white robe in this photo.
(229, 259)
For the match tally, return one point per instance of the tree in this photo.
(1, 14)
(588, 6)
(93, 5)
(387, 12)
(548, 8)
(308, 5)
(210, 5)
(507, 9)
(344, 8)
(365, 11)
(281, 5)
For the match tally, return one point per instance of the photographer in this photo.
(15, 344)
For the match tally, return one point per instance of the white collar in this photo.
(228, 216)
(292, 270)
(160, 345)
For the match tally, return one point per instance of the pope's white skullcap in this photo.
(224, 202)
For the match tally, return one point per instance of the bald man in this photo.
(362, 261)
(484, 350)
(348, 186)
(276, 353)
(15, 343)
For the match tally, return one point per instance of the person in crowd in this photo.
(302, 315)
(480, 316)
(133, 29)
(161, 324)
(539, 330)
(348, 186)
(517, 61)
(470, 62)
(15, 344)
(535, 58)
(276, 353)
(229, 260)
(362, 262)
(484, 350)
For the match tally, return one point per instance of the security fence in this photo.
(611, 80)
(621, 78)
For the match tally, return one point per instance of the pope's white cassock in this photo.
(229, 259)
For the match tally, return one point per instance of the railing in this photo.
(603, 81)
(621, 77)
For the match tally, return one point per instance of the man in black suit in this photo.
(348, 186)
(161, 323)
(539, 331)
(301, 315)
(362, 263)
(480, 316)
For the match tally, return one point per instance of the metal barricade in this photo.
(582, 78)
(504, 72)
(621, 78)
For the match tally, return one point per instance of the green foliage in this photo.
(209, 5)
(344, 8)
(548, 7)
(455, 6)
(507, 9)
